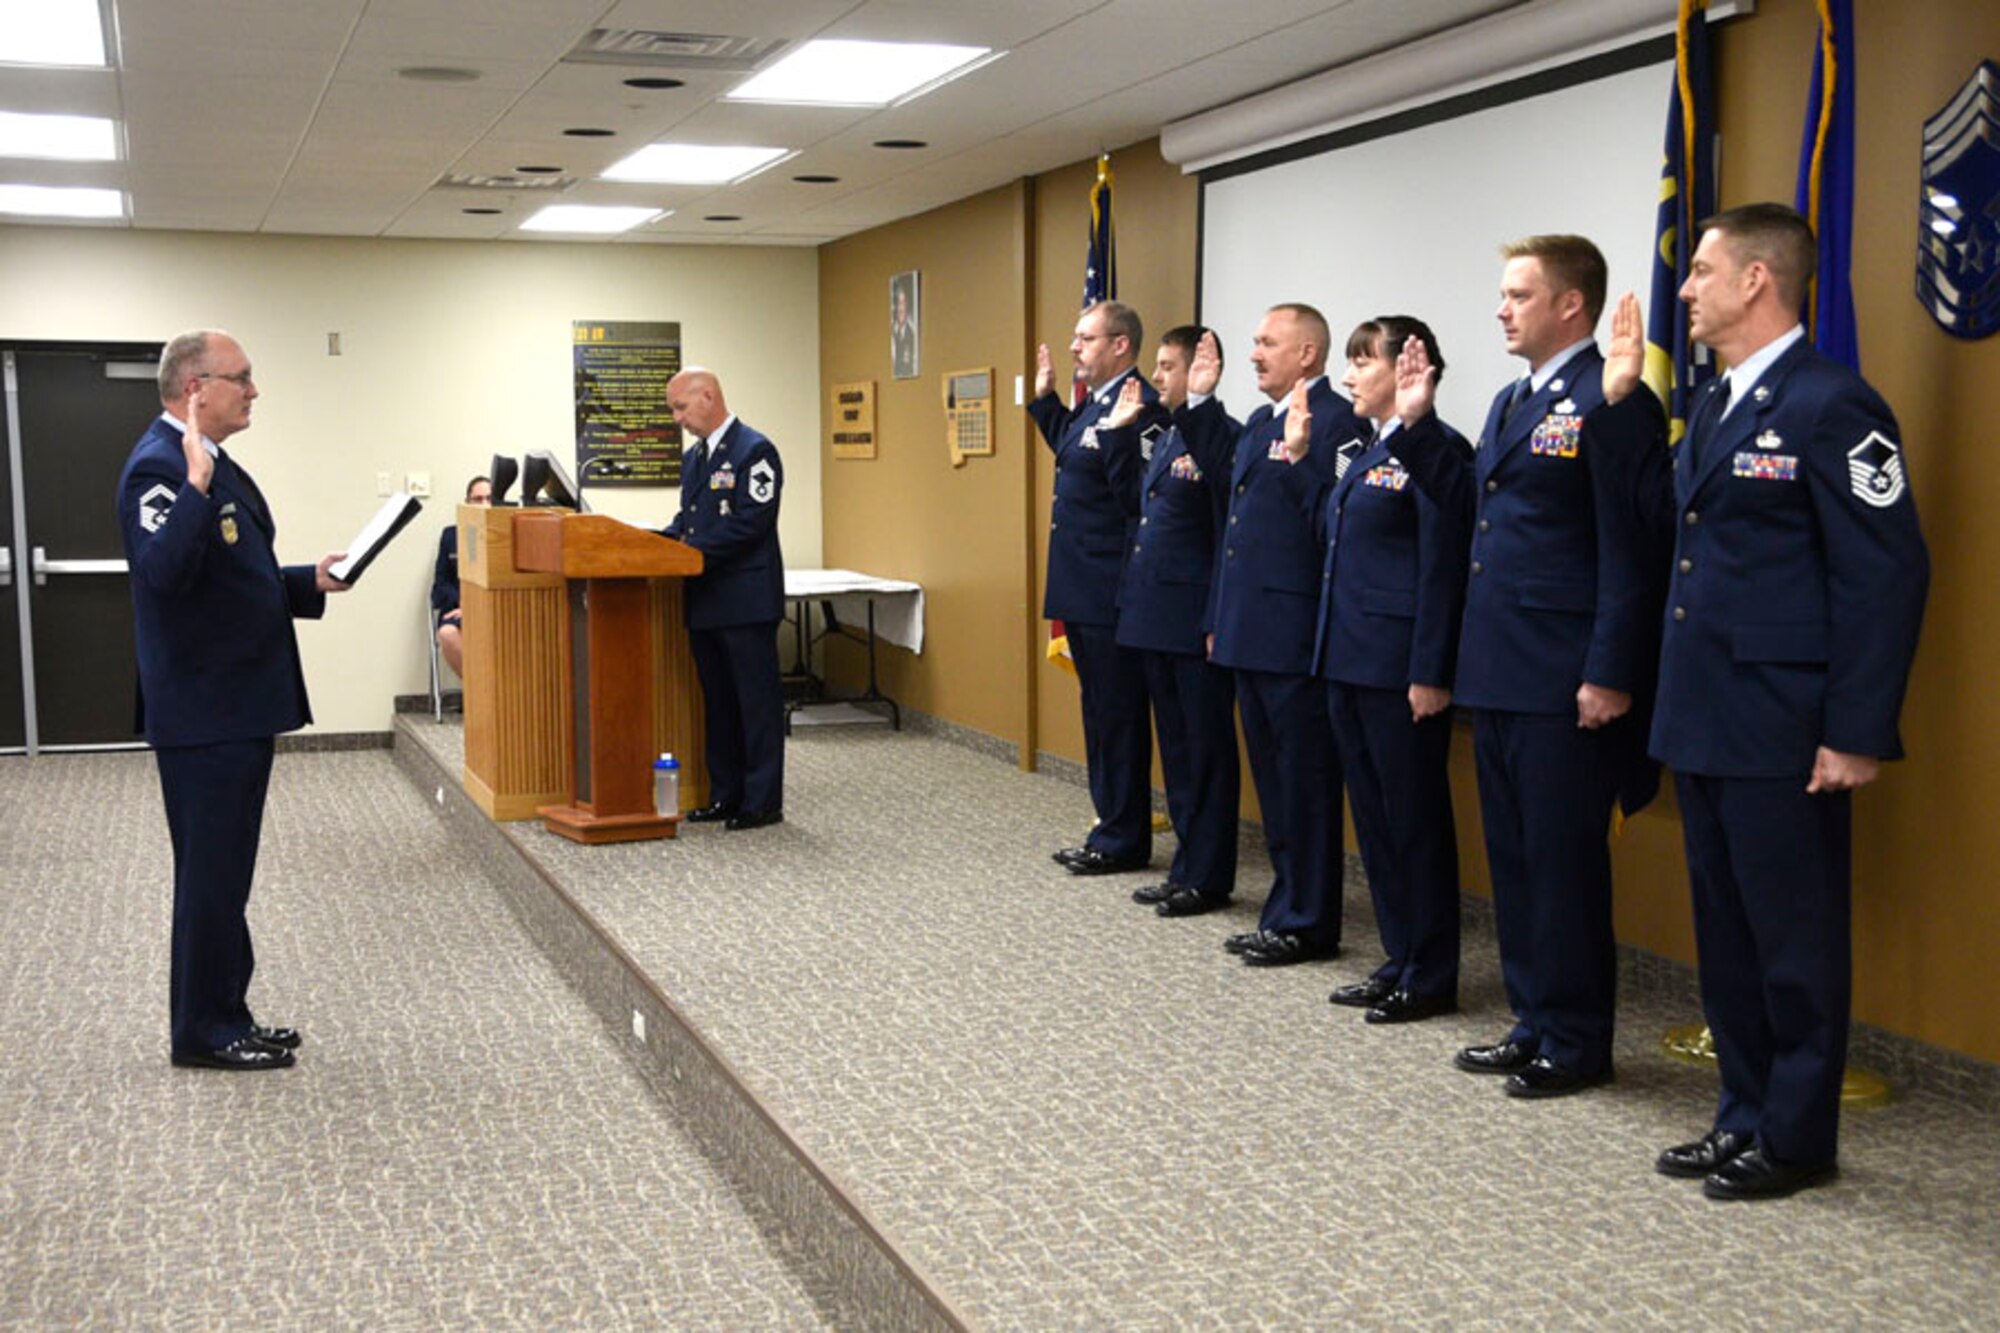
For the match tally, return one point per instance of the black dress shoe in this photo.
(1543, 1077)
(1184, 901)
(287, 1039)
(1362, 994)
(750, 819)
(710, 814)
(1282, 948)
(1753, 1174)
(1243, 942)
(1502, 1057)
(1067, 854)
(1692, 1161)
(242, 1055)
(1152, 894)
(1401, 1006)
(1090, 861)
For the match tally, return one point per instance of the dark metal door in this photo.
(80, 409)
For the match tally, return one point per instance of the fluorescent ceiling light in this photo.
(71, 138)
(846, 73)
(590, 218)
(57, 32)
(692, 164)
(48, 201)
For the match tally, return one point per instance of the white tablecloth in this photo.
(899, 604)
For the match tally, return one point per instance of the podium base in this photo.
(581, 824)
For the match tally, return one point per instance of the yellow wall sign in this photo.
(852, 413)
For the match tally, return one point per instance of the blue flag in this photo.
(1100, 266)
(1675, 366)
(1826, 183)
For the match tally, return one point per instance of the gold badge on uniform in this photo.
(229, 531)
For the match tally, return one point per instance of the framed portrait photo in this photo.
(905, 340)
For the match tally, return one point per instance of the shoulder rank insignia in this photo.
(763, 481)
(1875, 471)
(1958, 219)
(154, 506)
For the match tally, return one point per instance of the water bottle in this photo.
(667, 786)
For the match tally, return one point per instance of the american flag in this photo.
(1100, 266)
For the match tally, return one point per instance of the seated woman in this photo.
(444, 583)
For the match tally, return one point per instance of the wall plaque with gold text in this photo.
(852, 412)
(625, 436)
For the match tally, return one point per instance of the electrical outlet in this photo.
(639, 1026)
(333, 344)
(384, 484)
(418, 484)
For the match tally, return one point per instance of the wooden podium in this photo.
(577, 671)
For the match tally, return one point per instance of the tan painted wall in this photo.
(908, 513)
(453, 352)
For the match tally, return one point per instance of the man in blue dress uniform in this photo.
(1263, 615)
(219, 678)
(1180, 495)
(1555, 649)
(730, 483)
(1797, 589)
(1089, 533)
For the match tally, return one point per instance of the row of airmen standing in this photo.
(1341, 570)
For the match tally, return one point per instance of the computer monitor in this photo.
(502, 474)
(545, 480)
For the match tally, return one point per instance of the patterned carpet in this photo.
(462, 1145)
(1073, 1114)
(1068, 1113)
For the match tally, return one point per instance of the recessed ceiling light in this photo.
(651, 82)
(850, 73)
(816, 180)
(69, 138)
(723, 217)
(594, 218)
(901, 143)
(693, 164)
(437, 74)
(48, 201)
(539, 171)
(60, 32)
(590, 132)
(481, 212)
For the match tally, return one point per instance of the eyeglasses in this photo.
(241, 379)
(1089, 337)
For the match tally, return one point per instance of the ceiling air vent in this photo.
(475, 181)
(672, 50)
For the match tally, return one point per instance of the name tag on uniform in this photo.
(1767, 467)
(1185, 468)
(1386, 476)
(1557, 437)
(722, 479)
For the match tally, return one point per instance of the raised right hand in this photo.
(1205, 369)
(1416, 382)
(1045, 371)
(1625, 357)
(200, 467)
(1125, 411)
(1298, 424)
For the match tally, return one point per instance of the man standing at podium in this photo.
(730, 480)
(219, 678)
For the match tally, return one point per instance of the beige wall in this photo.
(453, 351)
